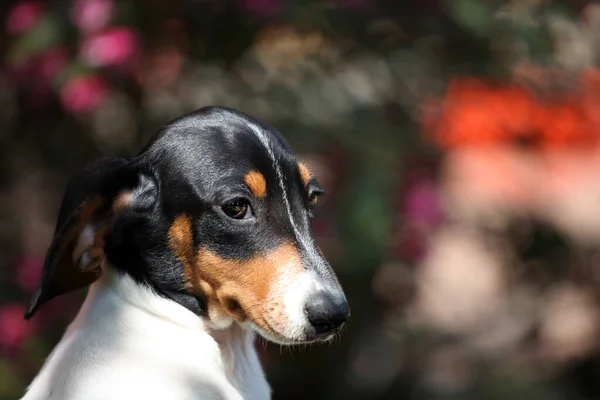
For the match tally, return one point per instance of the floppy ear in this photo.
(91, 201)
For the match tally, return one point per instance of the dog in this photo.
(189, 249)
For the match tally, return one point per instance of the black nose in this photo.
(326, 312)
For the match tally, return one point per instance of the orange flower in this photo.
(562, 125)
(475, 113)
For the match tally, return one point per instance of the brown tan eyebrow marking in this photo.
(304, 173)
(256, 183)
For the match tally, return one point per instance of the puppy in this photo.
(191, 247)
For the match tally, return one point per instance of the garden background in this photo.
(457, 141)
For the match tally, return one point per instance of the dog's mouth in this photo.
(289, 332)
(297, 310)
(306, 338)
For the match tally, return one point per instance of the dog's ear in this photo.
(92, 200)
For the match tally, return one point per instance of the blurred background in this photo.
(457, 141)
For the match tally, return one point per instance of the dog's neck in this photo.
(230, 349)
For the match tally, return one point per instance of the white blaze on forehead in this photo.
(307, 243)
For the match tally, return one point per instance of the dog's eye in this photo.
(237, 208)
(313, 196)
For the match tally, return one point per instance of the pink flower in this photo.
(117, 47)
(28, 272)
(421, 214)
(22, 17)
(421, 204)
(14, 329)
(83, 93)
(91, 15)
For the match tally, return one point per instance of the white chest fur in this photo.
(126, 342)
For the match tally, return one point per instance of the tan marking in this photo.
(122, 201)
(304, 173)
(181, 243)
(235, 289)
(242, 288)
(257, 184)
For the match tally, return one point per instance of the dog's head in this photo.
(215, 214)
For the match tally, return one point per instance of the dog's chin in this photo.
(291, 341)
